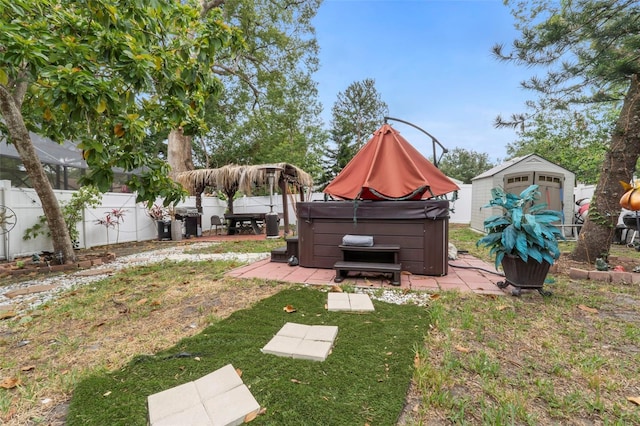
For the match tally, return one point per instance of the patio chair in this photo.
(217, 222)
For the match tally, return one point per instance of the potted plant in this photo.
(523, 238)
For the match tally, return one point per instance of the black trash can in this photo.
(164, 230)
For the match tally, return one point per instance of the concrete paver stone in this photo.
(218, 382)
(291, 329)
(217, 399)
(172, 401)
(314, 345)
(281, 345)
(338, 302)
(231, 408)
(361, 302)
(195, 415)
(313, 350)
(355, 302)
(325, 333)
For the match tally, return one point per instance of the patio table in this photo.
(239, 222)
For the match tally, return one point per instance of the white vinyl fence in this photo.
(137, 225)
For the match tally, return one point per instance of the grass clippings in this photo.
(363, 381)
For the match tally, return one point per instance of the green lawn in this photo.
(364, 380)
(572, 358)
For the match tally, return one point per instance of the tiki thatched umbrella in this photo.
(225, 179)
(231, 178)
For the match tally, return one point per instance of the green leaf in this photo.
(102, 106)
(535, 253)
(522, 246)
(4, 77)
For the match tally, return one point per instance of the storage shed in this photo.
(555, 183)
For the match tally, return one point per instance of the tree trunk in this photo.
(179, 154)
(22, 142)
(619, 164)
(230, 194)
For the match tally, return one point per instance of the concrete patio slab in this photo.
(194, 416)
(172, 402)
(232, 407)
(360, 302)
(218, 382)
(281, 346)
(324, 333)
(291, 329)
(313, 350)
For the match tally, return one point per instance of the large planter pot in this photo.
(524, 275)
(176, 230)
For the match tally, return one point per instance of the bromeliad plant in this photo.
(524, 229)
(158, 213)
(112, 219)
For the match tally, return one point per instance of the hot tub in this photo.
(420, 228)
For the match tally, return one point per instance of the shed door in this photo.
(549, 184)
(518, 182)
(550, 187)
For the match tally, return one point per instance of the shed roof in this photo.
(512, 162)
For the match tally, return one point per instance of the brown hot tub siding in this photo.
(420, 228)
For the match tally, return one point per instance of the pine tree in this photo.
(356, 114)
(590, 50)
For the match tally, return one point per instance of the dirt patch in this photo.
(628, 263)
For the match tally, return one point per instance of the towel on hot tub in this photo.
(357, 240)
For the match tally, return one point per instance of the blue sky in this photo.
(432, 64)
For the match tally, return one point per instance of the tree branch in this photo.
(20, 86)
(208, 5)
(224, 70)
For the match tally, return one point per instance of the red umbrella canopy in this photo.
(389, 168)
